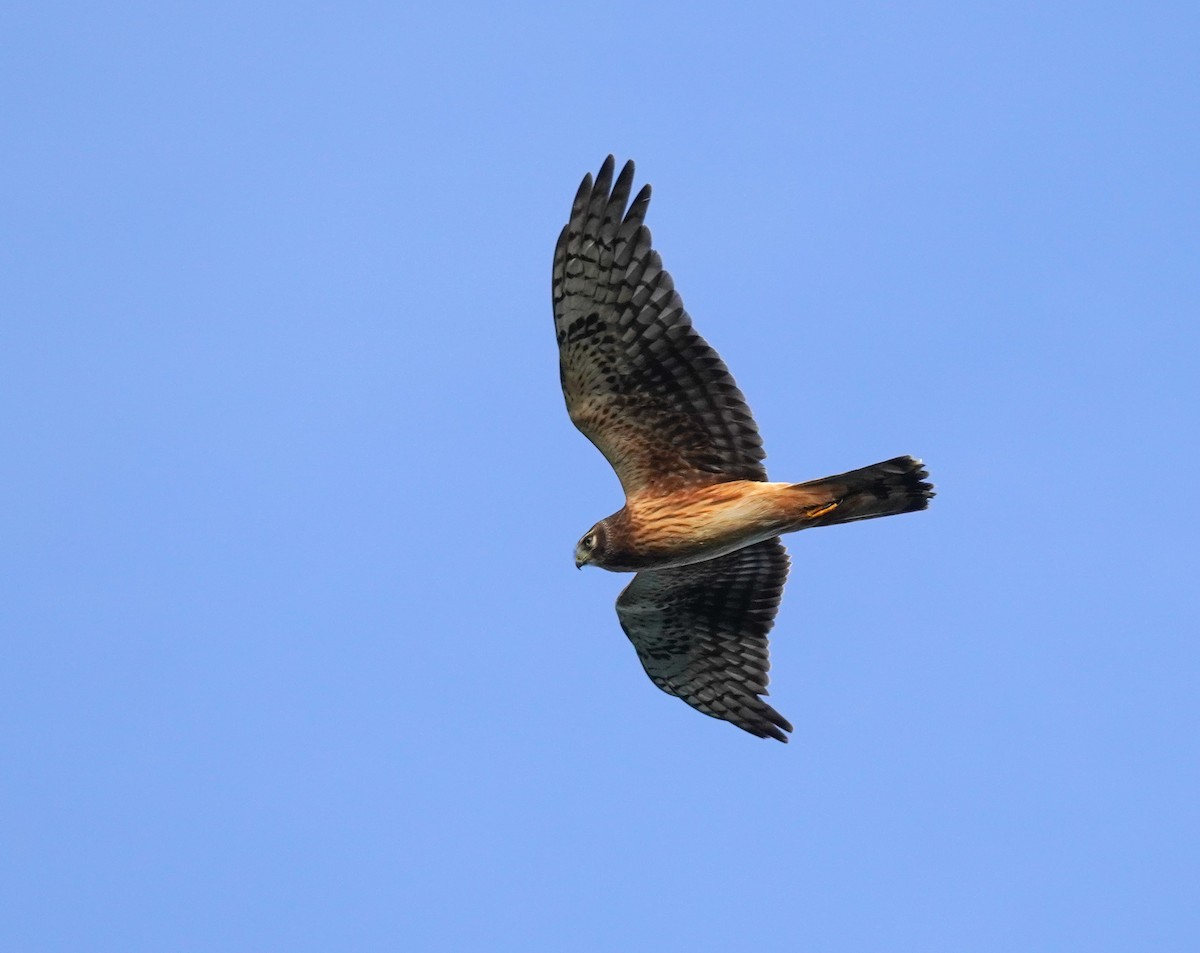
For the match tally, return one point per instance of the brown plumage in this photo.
(700, 524)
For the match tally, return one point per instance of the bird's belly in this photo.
(696, 526)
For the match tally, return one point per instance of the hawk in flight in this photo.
(701, 524)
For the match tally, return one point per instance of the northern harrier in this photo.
(701, 524)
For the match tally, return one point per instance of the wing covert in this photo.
(701, 632)
(639, 382)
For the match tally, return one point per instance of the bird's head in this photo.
(590, 549)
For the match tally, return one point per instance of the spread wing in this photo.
(640, 383)
(701, 632)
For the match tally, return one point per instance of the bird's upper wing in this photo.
(640, 383)
(701, 632)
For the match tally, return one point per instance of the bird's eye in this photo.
(589, 541)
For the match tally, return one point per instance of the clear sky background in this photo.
(295, 655)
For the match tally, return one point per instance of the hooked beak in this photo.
(579, 562)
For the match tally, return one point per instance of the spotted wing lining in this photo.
(639, 382)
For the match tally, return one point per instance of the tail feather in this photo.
(882, 489)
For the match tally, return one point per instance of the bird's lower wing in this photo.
(701, 632)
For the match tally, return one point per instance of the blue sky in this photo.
(296, 655)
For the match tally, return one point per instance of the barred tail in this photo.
(883, 489)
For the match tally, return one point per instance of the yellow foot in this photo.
(821, 510)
